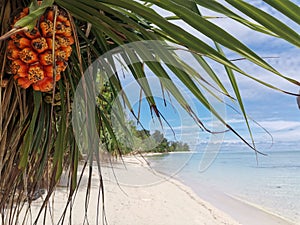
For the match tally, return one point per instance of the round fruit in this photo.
(30, 53)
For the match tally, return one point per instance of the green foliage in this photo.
(129, 138)
(155, 142)
(163, 145)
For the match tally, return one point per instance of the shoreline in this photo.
(261, 208)
(168, 195)
(238, 208)
(140, 196)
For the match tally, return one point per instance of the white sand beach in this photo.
(141, 197)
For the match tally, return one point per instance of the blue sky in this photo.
(276, 112)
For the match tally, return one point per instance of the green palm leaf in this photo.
(288, 8)
(268, 21)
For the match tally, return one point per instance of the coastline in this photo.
(244, 212)
(160, 199)
(238, 208)
(268, 212)
(139, 196)
(142, 196)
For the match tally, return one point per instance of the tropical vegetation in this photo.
(46, 49)
(145, 142)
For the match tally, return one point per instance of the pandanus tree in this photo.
(47, 46)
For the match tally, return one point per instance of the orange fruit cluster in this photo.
(30, 53)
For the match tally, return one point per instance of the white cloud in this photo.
(287, 136)
(281, 125)
(281, 130)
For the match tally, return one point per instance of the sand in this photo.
(137, 195)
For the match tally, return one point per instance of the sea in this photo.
(270, 182)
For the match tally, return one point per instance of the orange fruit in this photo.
(30, 53)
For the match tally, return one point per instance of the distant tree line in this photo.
(126, 138)
(132, 139)
(156, 142)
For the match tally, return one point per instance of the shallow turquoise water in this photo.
(272, 181)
